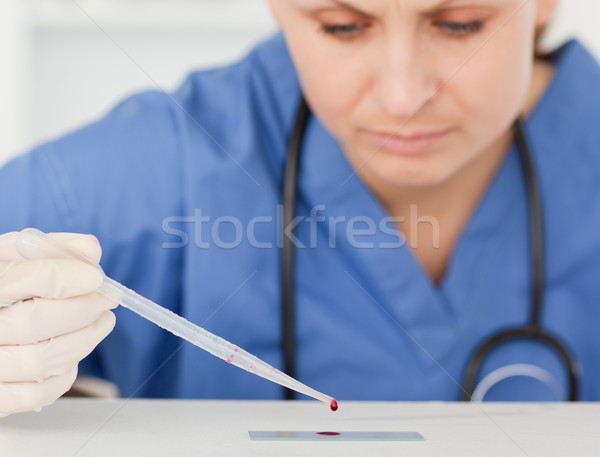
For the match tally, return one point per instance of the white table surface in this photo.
(84, 427)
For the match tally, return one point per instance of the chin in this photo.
(407, 173)
(412, 181)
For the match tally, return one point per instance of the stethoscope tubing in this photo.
(531, 330)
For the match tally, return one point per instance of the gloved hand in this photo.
(50, 319)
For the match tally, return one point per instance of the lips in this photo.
(403, 144)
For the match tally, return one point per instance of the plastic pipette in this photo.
(33, 244)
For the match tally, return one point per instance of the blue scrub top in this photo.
(161, 169)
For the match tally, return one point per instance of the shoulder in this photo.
(564, 127)
(570, 108)
(565, 135)
(264, 82)
(254, 99)
(216, 122)
(209, 106)
(73, 179)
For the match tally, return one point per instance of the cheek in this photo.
(496, 80)
(333, 82)
(490, 91)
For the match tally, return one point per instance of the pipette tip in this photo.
(333, 405)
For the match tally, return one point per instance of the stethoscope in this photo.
(532, 330)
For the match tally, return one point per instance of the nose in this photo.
(404, 83)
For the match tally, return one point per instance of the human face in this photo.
(413, 90)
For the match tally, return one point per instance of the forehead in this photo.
(398, 4)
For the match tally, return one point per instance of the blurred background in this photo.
(63, 65)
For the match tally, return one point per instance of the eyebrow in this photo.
(460, 3)
(434, 8)
(351, 8)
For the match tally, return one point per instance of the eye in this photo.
(344, 31)
(460, 29)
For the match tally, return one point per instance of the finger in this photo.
(36, 362)
(17, 397)
(8, 250)
(88, 245)
(47, 278)
(38, 319)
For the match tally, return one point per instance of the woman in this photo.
(412, 241)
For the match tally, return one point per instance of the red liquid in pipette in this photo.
(333, 405)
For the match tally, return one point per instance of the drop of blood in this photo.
(328, 433)
(333, 405)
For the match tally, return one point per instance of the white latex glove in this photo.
(50, 319)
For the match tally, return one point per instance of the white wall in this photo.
(577, 18)
(14, 73)
(60, 69)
